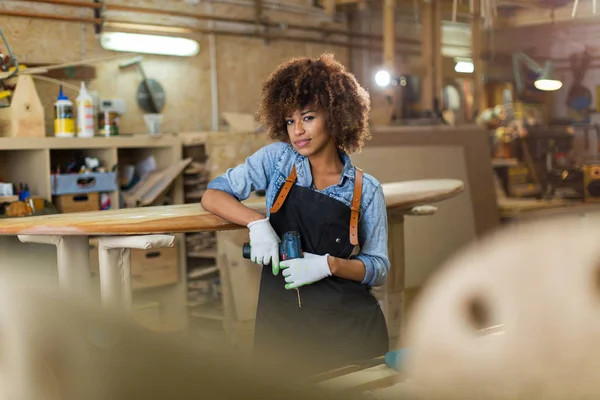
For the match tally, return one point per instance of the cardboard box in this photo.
(69, 203)
(149, 268)
(154, 267)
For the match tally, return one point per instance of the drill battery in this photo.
(289, 248)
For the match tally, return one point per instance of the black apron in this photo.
(326, 324)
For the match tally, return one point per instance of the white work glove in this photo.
(264, 244)
(304, 271)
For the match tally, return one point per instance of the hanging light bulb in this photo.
(382, 78)
(546, 81)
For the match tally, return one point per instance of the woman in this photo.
(317, 312)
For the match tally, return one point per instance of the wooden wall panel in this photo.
(475, 142)
(242, 63)
(429, 240)
(228, 149)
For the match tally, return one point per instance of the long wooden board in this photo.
(192, 218)
(372, 378)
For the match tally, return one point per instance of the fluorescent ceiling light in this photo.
(465, 67)
(149, 44)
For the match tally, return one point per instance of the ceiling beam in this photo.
(462, 10)
(545, 16)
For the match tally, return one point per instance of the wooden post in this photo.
(389, 49)
(394, 286)
(389, 37)
(427, 56)
(330, 8)
(431, 50)
(438, 70)
(476, 33)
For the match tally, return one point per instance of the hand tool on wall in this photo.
(8, 60)
(579, 97)
(150, 94)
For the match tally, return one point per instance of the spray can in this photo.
(64, 125)
(85, 113)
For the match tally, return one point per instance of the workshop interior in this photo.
(115, 115)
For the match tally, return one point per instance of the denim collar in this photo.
(348, 170)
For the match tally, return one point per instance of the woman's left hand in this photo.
(304, 271)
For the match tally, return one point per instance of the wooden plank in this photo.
(192, 218)
(324, 376)
(80, 73)
(360, 380)
(527, 208)
(372, 379)
(148, 190)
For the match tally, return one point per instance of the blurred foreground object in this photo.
(56, 346)
(514, 316)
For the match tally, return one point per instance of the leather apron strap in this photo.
(289, 182)
(354, 206)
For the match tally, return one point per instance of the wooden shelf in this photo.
(208, 311)
(203, 254)
(122, 141)
(202, 272)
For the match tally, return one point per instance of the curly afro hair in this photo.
(322, 83)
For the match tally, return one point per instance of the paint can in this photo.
(108, 123)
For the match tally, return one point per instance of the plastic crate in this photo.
(83, 183)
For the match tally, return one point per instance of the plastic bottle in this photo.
(85, 113)
(64, 125)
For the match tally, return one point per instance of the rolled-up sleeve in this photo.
(373, 240)
(253, 174)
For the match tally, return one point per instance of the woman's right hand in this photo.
(264, 244)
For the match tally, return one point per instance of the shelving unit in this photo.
(214, 294)
(31, 160)
(204, 284)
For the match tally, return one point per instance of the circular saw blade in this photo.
(143, 97)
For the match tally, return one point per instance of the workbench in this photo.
(119, 231)
(513, 210)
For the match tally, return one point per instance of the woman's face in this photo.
(307, 131)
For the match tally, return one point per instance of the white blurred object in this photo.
(153, 122)
(536, 284)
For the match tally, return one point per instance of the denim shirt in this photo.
(267, 170)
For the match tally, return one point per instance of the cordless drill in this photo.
(289, 248)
